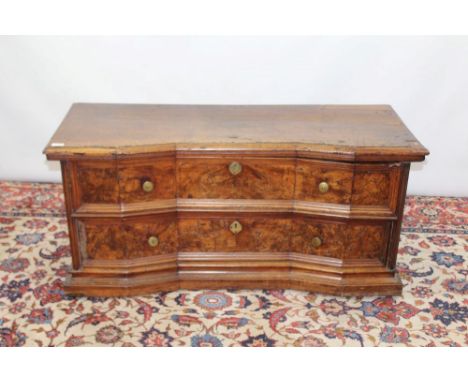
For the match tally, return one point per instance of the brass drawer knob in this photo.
(316, 242)
(153, 241)
(323, 187)
(235, 168)
(235, 227)
(148, 186)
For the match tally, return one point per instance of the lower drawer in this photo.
(116, 239)
(327, 238)
(341, 240)
(140, 237)
(234, 234)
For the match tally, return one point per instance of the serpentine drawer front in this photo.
(160, 197)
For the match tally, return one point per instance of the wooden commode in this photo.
(161, 197)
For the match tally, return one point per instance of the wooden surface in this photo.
(362, 153)
(209, 178)
(350, 131)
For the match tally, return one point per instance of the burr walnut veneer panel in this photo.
(133, 174)
(259, 178)
(160, 197)
(261, 234)
(97, 181)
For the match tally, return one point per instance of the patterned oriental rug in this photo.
(34, 311)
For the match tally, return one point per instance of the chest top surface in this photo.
(107, 129)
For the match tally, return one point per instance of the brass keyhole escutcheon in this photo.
(323, 187)
(316, 242)
(148, 186)
(235, 227)
(235, 168)
(153, 241)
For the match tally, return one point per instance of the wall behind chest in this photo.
(423, 78)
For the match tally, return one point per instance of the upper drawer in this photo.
(235, 178)
(361, 186)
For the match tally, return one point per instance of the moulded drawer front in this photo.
(376, 185)
(339, 240)
(234, 234)
(235, 178)
(150, 236)
(146, 180)
(326, 182)
(346, 183)
(101, 239)
(116, 239)
(97, 182)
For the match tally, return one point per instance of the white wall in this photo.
(424, 78)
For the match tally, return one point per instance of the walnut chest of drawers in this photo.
(160, 197)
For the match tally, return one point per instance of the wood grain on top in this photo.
(127, 128)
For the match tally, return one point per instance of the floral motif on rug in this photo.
(34, 311)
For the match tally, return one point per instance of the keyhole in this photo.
(235, 227)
